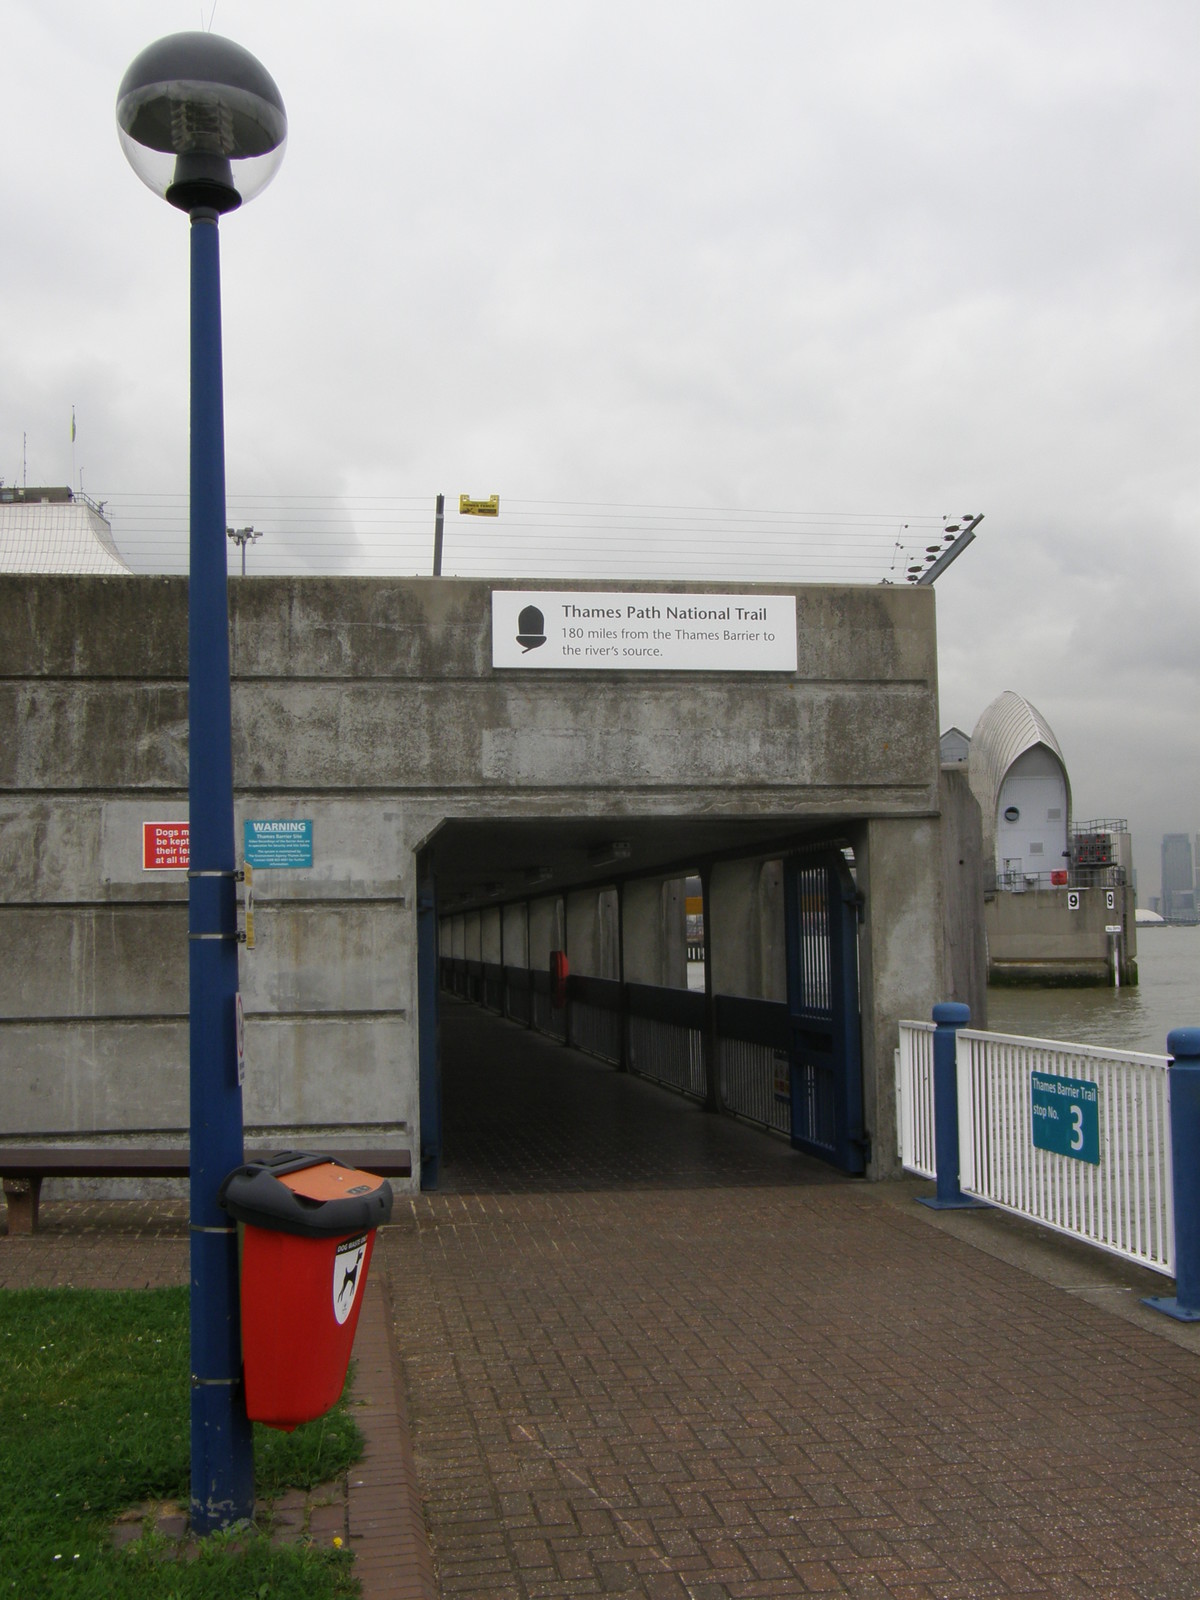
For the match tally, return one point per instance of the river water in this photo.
(1167, 996)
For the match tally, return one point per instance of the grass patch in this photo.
(95, 1418)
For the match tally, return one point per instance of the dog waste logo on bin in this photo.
(347, 1274)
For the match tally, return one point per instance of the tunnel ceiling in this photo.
(481, 862)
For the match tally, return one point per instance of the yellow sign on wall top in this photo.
(478, 508)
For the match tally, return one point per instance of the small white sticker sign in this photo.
(595, 630)
(347, 1275)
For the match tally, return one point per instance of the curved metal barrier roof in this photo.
(1009, 727)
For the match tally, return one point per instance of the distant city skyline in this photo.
(1177, 895)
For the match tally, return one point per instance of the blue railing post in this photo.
(949, 1016)
(1183, 1046)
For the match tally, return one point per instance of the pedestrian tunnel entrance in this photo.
(765, 1027)
(524, 1114)
(466, 803)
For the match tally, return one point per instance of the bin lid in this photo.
(330, 1180)
(301, 1192)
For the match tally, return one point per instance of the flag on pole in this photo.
(72, 424)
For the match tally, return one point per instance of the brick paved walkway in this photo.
(780, 1384)
(652, 1354)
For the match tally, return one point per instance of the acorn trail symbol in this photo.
(532, 625)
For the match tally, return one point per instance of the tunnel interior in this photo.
(478, 862)
(763, 1026)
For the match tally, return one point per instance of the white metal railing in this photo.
(914, 1098)
(751, 1083)
(595, 1030)
(668, 1053)
(1121, 1203)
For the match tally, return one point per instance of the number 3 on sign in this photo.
(1065, 1116)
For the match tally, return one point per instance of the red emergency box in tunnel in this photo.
(310, 1225)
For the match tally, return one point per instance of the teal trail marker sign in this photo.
(1066, 1116)
(284, 843)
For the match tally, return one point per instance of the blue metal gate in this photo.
(823, 1025)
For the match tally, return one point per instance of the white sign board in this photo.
(348, 1259)
(620, 631)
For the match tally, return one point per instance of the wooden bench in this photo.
(23, 1168)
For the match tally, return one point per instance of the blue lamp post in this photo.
(203, 125)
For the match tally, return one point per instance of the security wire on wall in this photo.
(392, 535)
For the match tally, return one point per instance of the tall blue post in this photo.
(1183, 1046)
(949, 1016)
(222, 1460)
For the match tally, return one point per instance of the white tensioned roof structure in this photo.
(60, 534)
(1006, 730)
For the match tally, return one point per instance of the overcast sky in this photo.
(882, 261)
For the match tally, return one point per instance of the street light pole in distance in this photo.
(203, 125)
(242, 537)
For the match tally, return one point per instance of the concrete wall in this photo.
(773, 947)
(608, 916)
(749, 954)
(1036, 937)
(371, 708)
(641, 905)
(491, 936)
(962, 883)
(901, 958)
(583, 933)
(547, 930)
(516, 935)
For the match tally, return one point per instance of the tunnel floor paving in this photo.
(651, 1353)
(522, 1113)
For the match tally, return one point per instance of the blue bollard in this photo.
(1183, 1046)
(949, 1016)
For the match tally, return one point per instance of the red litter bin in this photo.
(310, 1225)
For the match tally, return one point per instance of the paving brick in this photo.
(648, 1353)
(699, 1365)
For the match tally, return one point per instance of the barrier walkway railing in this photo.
(753, 1061)
(914, 1099)
(1074, 1137)
(1113, 1190)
